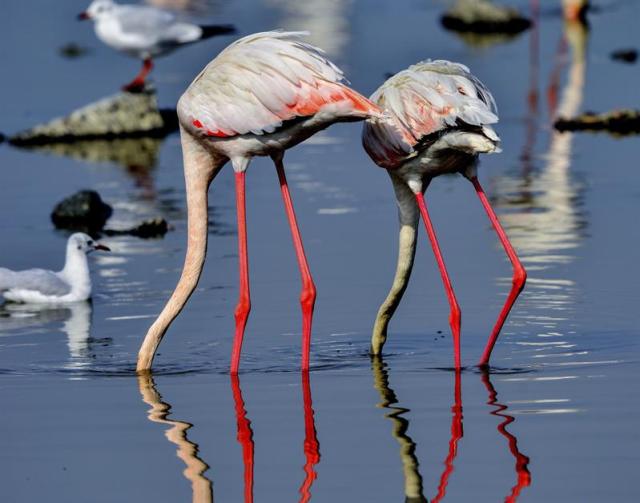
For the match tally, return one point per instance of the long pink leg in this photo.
(244, 301)
(455, 314)
(308, 294)
(137, 84)
(519, 273)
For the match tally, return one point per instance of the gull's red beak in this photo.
(82, 16)
(98, 246)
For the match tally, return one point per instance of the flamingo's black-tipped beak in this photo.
(83, 16)
(99, 246)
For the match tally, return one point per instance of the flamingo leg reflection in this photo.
(311, 444)
(245, 438)
(177, 434)
(522, 461)
(456, 434)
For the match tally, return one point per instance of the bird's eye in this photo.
(90, 243)
(79, 247)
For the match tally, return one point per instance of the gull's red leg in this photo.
(244, 301)
(137, 84)
(245, 438)
(455, 314)
(311, 444)
(519, 273)
(456, 434)
(308, 294)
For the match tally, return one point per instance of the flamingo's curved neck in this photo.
(408, 216)
(199, 170)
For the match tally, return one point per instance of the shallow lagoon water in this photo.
(553, 421)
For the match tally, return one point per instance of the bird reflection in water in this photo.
(543, 207)
(327, 21)
(522, 461)
(75, 318)
(245, 439)
(413, 488)
(187, 451)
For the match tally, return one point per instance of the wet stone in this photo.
(482, 16)
(123, 115)
(84, 211)
(625, 55)
(617, 122)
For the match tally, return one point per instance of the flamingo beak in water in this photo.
(83, 16)
(99, 246)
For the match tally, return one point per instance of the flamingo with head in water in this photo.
(263, 94)
(438, 121)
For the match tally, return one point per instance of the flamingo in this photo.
(438, 120)
(263, 94)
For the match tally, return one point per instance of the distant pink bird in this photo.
(262, 95)
(438, 121)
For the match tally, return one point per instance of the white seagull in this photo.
(144, 32)
(71, 284)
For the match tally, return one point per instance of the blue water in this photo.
(75, 417)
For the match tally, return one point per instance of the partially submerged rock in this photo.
(86, 211)
(83, 211)
(154, 228)
(482, 16)
(618, 122)
(124, 115)
(625, 55)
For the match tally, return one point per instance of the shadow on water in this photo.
(413, 481)
(246, 440)
(543, 209)
(187, 451)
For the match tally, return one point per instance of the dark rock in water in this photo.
(625, 55)
(72, 50)
(481, 16)
(124, 115)
(83, 211)
(154, 228)
(616, 122)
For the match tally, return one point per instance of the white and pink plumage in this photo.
(438, 120)
(263, 94)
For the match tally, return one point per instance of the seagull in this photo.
(144, 32)
(71, 284)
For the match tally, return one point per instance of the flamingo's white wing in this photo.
(426, 98)
(262, 80)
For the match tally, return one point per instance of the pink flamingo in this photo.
(260, 96)
(438, 122)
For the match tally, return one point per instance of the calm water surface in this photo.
(553, 421)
